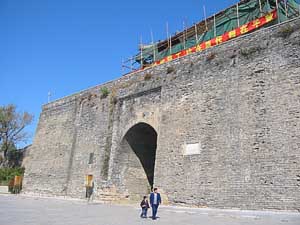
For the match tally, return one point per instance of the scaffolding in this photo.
(215, 26)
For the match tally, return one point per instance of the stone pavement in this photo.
(21, 210)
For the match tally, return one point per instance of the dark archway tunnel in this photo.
(142, 138)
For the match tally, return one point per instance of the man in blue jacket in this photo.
(155, 200)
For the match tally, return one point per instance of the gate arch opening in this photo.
(139, 148)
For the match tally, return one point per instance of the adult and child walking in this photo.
(155, 201)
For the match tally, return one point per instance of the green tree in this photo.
(12, 124)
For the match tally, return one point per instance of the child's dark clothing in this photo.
(145, 206)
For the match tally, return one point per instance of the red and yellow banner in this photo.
(223, 38)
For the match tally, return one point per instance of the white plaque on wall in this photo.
(192, 149)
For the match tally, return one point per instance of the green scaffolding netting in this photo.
(225, 21)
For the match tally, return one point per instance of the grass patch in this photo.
(104, 92)
(147, 76)
(211, 56)
(170, 69)
(246, 52)
(285, 31)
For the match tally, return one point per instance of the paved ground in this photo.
(20, 210)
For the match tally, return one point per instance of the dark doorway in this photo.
(139, 150)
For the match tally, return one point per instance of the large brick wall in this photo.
(239, 102)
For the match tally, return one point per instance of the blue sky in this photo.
(64, 46)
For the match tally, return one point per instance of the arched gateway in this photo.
(137, 159)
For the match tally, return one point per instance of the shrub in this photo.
(285, 31)
(170, 69)
(104, 92)
(211, 56)
(147, 76)
(246, 52)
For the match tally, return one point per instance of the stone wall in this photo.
(238, 103)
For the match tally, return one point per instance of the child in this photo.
(145, 206)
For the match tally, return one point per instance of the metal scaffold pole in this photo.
(237, 15)
(49, 96)
(170, 44)
(196, 33)
(183, 35)
(153, 46)
(260, 8)
(131, 64)
(141, 47)
(215, 27)
(204, 11)
(277, 9)
(169, 38)
(286, 9)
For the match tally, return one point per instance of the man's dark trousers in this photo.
(154, 206)
(154, 211)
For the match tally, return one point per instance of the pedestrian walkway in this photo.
(20, 210)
